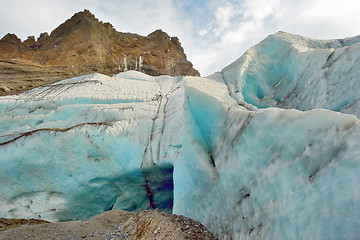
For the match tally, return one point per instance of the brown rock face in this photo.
(11, 46)
(83, 45)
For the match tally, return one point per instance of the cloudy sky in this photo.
(213, 33)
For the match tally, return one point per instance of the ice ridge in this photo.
(291, 71)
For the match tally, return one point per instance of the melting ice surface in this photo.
(262, 150)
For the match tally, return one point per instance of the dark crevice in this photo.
(54, 130)
(149, 193)
(159, 186)
(162, 125)
(212, 161)
(329, 57)
(148, 145)
(148, 148)
(243, 194)
(330, 61)
(242, 128)
(312, 176)
(246, 195)
(335, 154)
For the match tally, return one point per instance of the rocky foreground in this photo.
(83, 45)
(115, 224)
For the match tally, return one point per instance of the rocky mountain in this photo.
(82, 45)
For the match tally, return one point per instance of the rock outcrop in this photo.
(82, 45)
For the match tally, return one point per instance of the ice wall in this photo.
(267, 174)
(81, 146)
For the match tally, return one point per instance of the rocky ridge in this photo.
(82, 45)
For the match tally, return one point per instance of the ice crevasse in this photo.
(268, 148)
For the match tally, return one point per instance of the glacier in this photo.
(268, 148)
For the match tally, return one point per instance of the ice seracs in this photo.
(248, 152)
(291, 71)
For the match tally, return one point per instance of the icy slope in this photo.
(291, 71)
(202, 147)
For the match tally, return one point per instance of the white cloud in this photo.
(258, 10)
(203, 32)
(223, 16)
(324, 19)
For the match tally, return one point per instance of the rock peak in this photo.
(83, 14)
(158, 32)
(11, 37)
(83, 44)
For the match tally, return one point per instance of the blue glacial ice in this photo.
(290, 71)
(267, 174)
(266, 149)
(81, 146)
